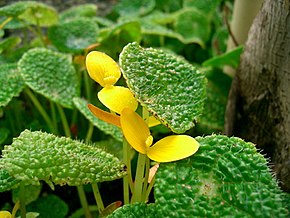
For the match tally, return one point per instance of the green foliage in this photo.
(81, 105)
(85, 10)
(231, 58)
(227, 177)
(134, 7)
(31, 12)
(11, 83)
(193, 25)
(49, 206)
(51, 74)
(168, 86)
(7, 182)
(74, 35)
(31, 193)
(35, 156)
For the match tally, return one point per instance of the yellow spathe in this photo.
(170, 148)
(5, 214)
(116, 98)
(135, 130)
(102, 68)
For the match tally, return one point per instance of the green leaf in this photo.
(218, 88)
(50, 74)
(227, 177)
(134, 7)
(81, 105)
(35, 156)
(7, 182)
(115, 37)
(9, 43)
(74, 35)
(11, 83)
(84, 10)
(206, 6)
(32, 12)
(150, 28)
(49, 206)
(30, 192)
(193, 25)
(167, 85)
(230, 58)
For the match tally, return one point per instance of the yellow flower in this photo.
(170, 148)
(5, 214)
(105, 71)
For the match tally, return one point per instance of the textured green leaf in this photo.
(134, 7)
(35, 156)
(49, 206)
(11, 83)
(168, 86)
(193, 25)
(9, 43)
(74, 35)
(84, 10)
(227, 177)
(81, 105)
(30, 192)
(50, 74)
(7, 182)
(32, 12)
(230, 58)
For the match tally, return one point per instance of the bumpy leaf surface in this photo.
(11, 83)
(114, 131)
(35, 156)
(168, 86)
(225, 178)
(50, 74)
(74, 35)
(7, 182)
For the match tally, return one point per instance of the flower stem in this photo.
(138, 185)
(127, 180)
(147, 170)
(64, 121)
(98, 197)
(89, 132)
(40, 109)
(22, 201)
(84, 201)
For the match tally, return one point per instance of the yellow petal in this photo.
(153, 121)
(172, 148)
(102, 68)
(116, 98)
(135, 130)
(5, 214)
(105, 116)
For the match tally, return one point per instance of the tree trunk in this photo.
(258, 109)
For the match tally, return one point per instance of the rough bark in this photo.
(259, 102)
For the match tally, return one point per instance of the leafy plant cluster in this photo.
(49, 137)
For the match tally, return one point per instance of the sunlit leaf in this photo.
(168, 86)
